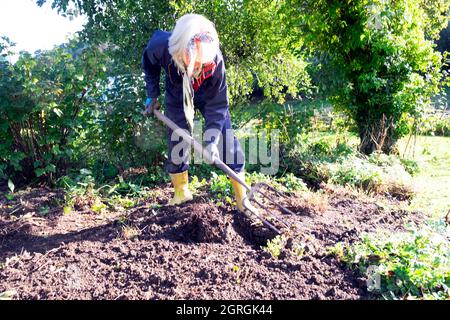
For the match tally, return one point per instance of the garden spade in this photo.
(254, 192)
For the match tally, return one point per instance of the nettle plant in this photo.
(384, 61)
(46, 99)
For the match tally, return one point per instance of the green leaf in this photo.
(37, 164)
(39, 172)
(4, 126)
(56, 150)
(50, 168)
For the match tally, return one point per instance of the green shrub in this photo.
(383, 58)
(412, 264)
(355, 172)
(435, 125)
(46, 100)
(411, 166)
(292, 183)
(220, 185)
(333, 159)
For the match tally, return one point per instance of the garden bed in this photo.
(195, 251)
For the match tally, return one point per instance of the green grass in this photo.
(433, 181)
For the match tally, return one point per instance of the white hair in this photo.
(185, 29)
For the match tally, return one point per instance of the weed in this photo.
(98, 206)
(220, 186)
(411, 166)
(237, 273)
(337, 250)
(130, 233)
(196, 183)
(82, 193)
(299, 249)
(413, 264)
(67, 209)
(275, 246)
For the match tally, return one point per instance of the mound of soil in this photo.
(193, 251)
(205, 224)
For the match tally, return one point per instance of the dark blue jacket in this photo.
(211, 98)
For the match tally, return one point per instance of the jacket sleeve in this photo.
(216, 101)
(152, 71)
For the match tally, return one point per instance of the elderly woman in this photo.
(195, 77)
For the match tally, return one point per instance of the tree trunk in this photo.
(377, 136)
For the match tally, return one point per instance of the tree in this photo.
(256, 48)
(386, 66)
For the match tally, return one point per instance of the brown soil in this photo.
(194, 251)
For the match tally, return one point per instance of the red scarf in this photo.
(207, 71)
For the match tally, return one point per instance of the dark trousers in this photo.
(229, 147)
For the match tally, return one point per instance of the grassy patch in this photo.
(432, 182)
(84, 194)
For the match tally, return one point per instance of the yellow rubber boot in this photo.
(180, 184)
(240, 193)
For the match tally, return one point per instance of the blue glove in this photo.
(151, 104)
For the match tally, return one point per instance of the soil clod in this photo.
(204, 225)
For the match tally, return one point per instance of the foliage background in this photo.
(79, 105)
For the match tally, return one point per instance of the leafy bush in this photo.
(435, 120)
(258, 52)
(383, 57)
(291, 183)
(290, 120)
(435, 125)
(46, 100)
(411, 166)
(355, 172)
(413, 264)
(333, 160)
